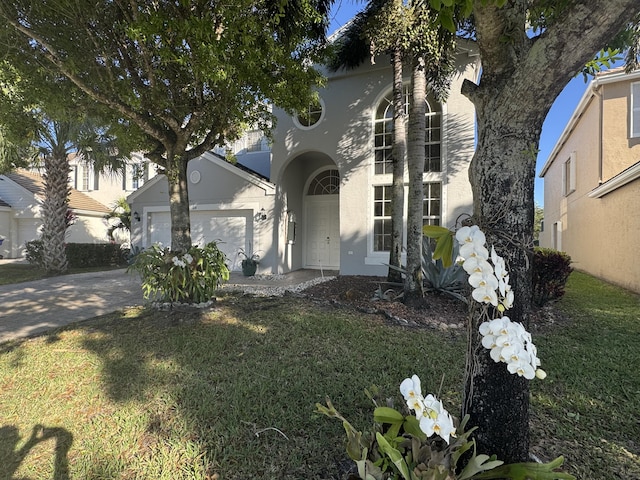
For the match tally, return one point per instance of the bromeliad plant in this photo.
(426, 445)
(192, 277)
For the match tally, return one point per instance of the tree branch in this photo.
(50, 54)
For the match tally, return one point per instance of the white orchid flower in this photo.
(471, 234)
(468, 250)
(477, 264)
(177, 262)
(411, 388)
(522, 369)
(441, 425)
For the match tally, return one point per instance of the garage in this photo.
(228, 228)
(28, 230)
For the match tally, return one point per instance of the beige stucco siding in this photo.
(620, 150)
(583, 144)
(600, 234)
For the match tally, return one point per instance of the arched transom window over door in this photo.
(326, 182)
(383, 134)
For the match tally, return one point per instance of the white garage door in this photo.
(229, 228)
(28, 230)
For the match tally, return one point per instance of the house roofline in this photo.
(255, 179)
(608, 77)
(626, 176)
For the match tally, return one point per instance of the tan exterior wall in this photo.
(620, 150)
(599, 234)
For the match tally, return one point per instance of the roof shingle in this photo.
(35, 184)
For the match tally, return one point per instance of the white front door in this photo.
(322, 215)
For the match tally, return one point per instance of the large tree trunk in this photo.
(179, 206)
(502, 179)
(413, 287)
(54, 212)
(520, 80)
(399, 151)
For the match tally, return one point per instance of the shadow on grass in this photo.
(12, 456)
(240, 381)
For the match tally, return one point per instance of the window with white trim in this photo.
(569, 175)
(431, 203)
(431, 212)
(136, 174)
(85, 178)
(326, 182)
(634, 120)
(382, 218)
(253, 141)
(383, 134)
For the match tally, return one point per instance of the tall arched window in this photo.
(383, 134)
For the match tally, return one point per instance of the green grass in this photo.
(23, 272)
(587, 409)
(152, 395)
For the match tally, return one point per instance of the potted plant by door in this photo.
(249, 261)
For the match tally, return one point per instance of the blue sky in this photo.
(557, 119)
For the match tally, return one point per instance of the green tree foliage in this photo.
(173, 79)
(538, 217)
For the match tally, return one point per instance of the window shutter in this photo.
(634, 120)
(572, 172)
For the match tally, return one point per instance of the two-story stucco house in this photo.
(93, 195)
(592, 182)
(320, 197)
(108, 187)
(21, 197)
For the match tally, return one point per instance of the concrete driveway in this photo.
(30, 308)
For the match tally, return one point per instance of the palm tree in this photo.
(119, 218)
(379, 29)
(407, 32)
(58, 139)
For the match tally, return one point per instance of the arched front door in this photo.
(322, 220)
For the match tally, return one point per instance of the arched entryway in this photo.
(322, 215)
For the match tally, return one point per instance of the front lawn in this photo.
(231, 392)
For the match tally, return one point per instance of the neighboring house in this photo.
(21, 196)
(592, 182)
(108, 187)
(325, 203)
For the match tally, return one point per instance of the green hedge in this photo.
(551, 270)
(80, 255)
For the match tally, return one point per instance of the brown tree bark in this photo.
(55, 206)
(413, 288)
(521, 78)
(399, 151)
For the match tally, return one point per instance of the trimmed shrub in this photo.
(34, 254)
(192, 277)
(82, 255)
(551, 270)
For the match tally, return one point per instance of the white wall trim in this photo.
(627, 176)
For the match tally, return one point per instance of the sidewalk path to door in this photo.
(31, 308)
